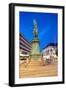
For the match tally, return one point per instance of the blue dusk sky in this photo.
(47, 27)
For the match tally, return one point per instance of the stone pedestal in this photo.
(35, 51)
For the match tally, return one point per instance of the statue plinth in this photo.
(35, 51)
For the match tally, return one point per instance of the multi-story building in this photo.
(25, 47)
(50, 51)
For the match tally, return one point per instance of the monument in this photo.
(35, 51)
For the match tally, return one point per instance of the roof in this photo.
(21, 34)
(51, 44)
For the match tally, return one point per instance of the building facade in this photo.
(50, 51)
(25, 47)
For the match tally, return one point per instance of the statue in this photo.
(35, 51)
(35, 28)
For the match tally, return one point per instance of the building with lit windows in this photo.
(25, 47)
(50, 51)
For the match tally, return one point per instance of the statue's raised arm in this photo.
(35, 28)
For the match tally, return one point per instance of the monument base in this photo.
(35, 57)
(35, 51)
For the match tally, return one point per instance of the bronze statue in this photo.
(35, 28)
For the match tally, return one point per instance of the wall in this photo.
(4, 44)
